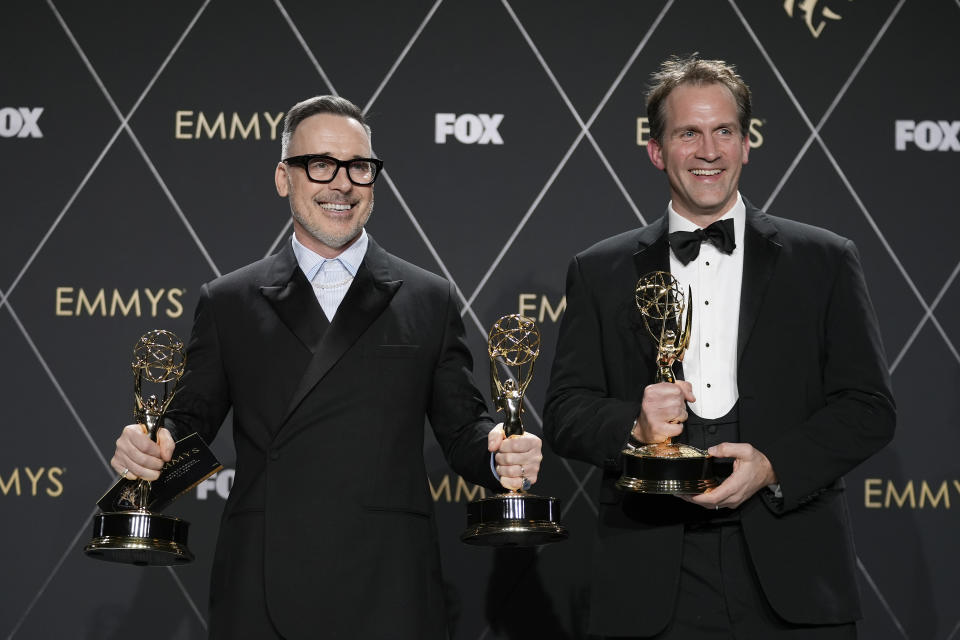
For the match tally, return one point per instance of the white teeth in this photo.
(332, 206)
(705, 172)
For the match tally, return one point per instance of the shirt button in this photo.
(706, 302)
(707, 345)
(708, 385)
(707, 263)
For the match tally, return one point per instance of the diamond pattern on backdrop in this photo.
(38, 190)
(580, 173)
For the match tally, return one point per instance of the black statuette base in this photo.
(140, 538)
(675, 476)
(513, 520)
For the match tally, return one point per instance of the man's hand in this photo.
(517, 457)
(751, 472)
(663, 411)
(137, 456)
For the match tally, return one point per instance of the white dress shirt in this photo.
(331, 277)
(710, 362)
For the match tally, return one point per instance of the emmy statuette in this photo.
(130, 531)
(665, 467)
(515, 518)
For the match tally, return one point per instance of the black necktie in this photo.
(686, 244)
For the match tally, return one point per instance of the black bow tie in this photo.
(686, 244)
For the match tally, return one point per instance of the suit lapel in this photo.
(294, 301)
(760, 256)
(368, 295)
(653, 253)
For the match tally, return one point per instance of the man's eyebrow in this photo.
(330, 154)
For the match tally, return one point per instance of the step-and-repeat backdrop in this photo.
(137, 147)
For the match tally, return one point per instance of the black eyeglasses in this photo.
(323, 169)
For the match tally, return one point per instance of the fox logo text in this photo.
(20, 122)
(468, 128)
(928, 135)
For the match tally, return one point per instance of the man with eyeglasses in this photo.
(331, 353)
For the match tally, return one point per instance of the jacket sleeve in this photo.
(857, 417)
(457, 411)
(203, 398)
(582, 419)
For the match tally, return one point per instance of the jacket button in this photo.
(712, 428)
(274, 454)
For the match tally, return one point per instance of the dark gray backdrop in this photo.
(119, 180)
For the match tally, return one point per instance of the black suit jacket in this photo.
(330, 493)
(814, 396)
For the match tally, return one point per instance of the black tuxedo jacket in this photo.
(330, 511)
(814, 397)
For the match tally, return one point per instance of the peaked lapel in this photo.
(653, 253)
(368, 295)
(294, 301)
(761, 249)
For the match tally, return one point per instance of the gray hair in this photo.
(316, 105)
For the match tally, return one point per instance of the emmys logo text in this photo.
(927, 135)
(197, 125)
(32, 482)
(538, 306)
(462, 492)
(756, 138)
(880, 493)
(139, 303)
(468, 128)
(20, 122)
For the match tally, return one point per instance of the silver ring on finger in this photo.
(522, 472)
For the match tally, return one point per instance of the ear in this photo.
(745, 150)
(280, 177)
(655, 151)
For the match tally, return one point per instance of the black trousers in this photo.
(720, 597)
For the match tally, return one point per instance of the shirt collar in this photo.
(311, 262)
(738, 213)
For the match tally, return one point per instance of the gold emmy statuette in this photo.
(136, 535)
(514, 518)
(666, 467)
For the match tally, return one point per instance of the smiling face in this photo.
(702, 152)
(327, 218)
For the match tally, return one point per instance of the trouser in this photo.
(720, 597)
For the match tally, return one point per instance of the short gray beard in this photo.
(333, 241)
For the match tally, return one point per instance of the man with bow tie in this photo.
(784, 382)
